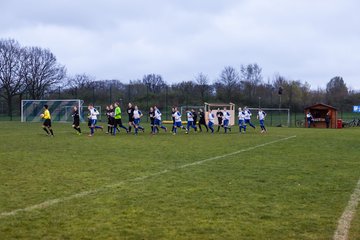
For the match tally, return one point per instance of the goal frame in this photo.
(78, 102)
(274, 111)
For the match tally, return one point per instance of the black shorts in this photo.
(47, 123)
(152, 121)
(220, 121)
(131, 119)
(118, 122)
(111, 121)
(76, 122)
(89, 122)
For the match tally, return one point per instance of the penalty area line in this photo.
(344, 223)
(52, 202)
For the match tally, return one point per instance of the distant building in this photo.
(318, 111)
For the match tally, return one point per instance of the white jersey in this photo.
(93, 113)
(190, 116)
(241, 115)
(177, 116)
(247, 115)
(137, 114)
(261, 115)
(157, 114)
(226, 115)
(211, 117)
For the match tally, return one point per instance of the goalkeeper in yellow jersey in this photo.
(47, 121)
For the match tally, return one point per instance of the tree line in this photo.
(34, 73)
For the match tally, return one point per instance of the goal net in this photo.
(275, 117)
(60, 110)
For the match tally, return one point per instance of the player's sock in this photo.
(129, 129)
(52, 133)
(46, 130)
(79, 129)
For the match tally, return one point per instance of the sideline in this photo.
(344, 223)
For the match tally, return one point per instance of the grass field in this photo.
(290, 183)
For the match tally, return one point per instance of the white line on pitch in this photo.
(344, 223)
(49, 203)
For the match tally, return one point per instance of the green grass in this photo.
(292, 189)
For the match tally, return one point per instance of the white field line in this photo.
(49, 203)
(344, 223)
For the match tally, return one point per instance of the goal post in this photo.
(60, 110)
(276, 117)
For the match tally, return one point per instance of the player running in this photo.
(261, 116)
(248, 117)
(47, 121)
(202, 120)
(117, 117)
(137, 115)
(226, 121)
(242, 125)
(152, 119)
(130, 112)
(76, 120)
(177, 120)
(157, 121)
(93, 119)
(219, 115)
(190, 121)
(211, 121)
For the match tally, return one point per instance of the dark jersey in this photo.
(219, 115)
(173, 118)
(202, 117)
(130, 112)
(76, 115)
(194, 116)
(152, 117)
(108, 113)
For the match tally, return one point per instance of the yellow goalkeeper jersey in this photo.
(47, 114)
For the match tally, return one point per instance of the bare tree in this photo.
(79, 82)
(42, 72)
(203, 86)
(250, 76)
(154, 82)
(11, 80)
(228, 83)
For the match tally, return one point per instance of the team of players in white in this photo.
(244, 119)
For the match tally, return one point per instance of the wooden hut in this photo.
(319, 111)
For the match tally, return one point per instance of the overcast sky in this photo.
(307, 40)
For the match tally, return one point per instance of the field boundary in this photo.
(52, 202)
(344, 223)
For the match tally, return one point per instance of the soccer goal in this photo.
(216, 107)
(276, 117)
(60, 110)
